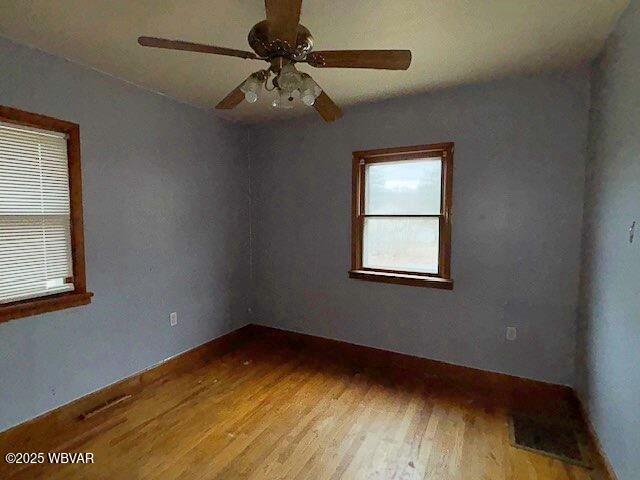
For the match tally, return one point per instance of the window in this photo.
(401, 218)
(41, 239)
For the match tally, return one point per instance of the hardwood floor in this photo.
(267, 411)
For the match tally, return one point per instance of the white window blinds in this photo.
(35, 238)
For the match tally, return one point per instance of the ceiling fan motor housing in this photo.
(260, 43)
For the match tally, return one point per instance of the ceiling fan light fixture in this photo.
(289, 79)
(250, 96)
(252, 85)
(281, 41)
(308, 99)
(309, 90)
(283, 100)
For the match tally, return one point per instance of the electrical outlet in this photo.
(173, 319)
(512, 333)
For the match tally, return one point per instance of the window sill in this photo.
(27, 308)
(402, 279)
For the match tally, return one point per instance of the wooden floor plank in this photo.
(280, 413)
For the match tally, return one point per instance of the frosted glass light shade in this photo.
(281, 100)
(289, 78)
(251, 88)
(309, 90)
(250, 96)
(308, 98)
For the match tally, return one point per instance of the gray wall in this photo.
(610, 300)
(167, 229)
(166, 202)
(518, 193)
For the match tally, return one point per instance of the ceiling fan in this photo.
(281, 41)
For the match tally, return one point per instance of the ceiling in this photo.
(453, 41)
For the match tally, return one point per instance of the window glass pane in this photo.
(410, 187)
(35, 236)
(406, 244)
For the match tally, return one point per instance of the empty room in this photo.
(323, 240)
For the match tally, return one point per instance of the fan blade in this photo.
(378, 59)
(283, 17)
(232, 100)
(326, 108)
(193, 47)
